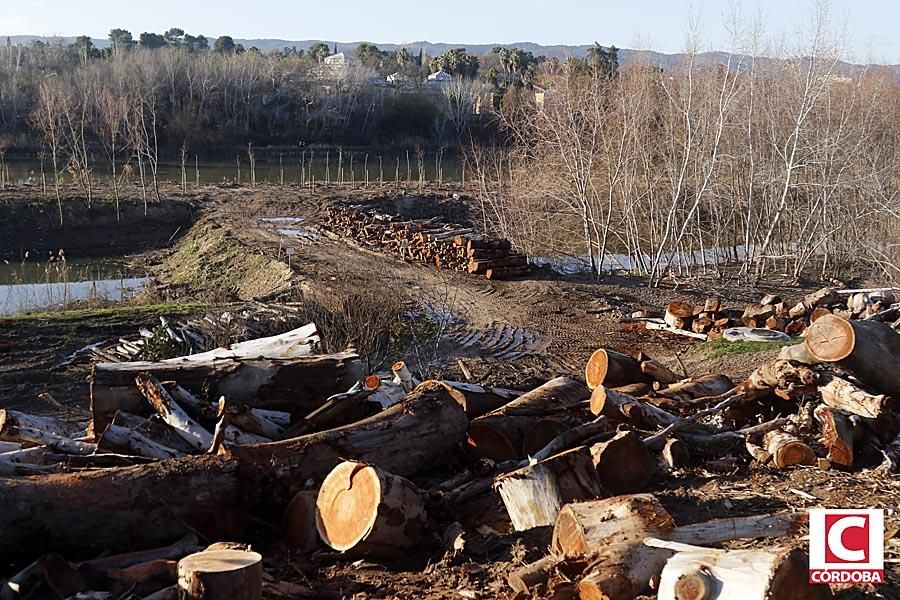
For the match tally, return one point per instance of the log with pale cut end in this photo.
(220, 574)
(786, 450)
(679, 315)
(818, 313)
(612, 369)
(534, 494)
(368, 511)
(836, 435)
(870, 350)
(585, 527)
(622, 571)
(528, 423)
(697, 387)
(421, 432)
(403, 376)
(298, 525)
(622, 407)
(623, 464)
(822, 297)
(755, 315)
(775, 573)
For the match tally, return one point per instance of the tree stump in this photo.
(369, 511)
(218, 574)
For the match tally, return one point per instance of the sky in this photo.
(661, 25)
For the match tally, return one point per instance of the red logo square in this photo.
(847, 538)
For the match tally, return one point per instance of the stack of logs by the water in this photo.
(711, 319)
(350, 462)
(428, 241)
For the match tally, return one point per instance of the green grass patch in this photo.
(722, 347)
(109, 313)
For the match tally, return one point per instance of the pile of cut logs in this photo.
(711, 319)
(428, 241)
(350, 462)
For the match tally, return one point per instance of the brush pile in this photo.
(711, 319)
(384, 467)
(427, 241)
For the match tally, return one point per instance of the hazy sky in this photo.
(873, 26)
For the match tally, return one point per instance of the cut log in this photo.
(797, 353)
(836, 435)
(818, 313)
(712, 305)
(524, 579)
(421, 432)
(14, 429)
(786, 450)
(526, 424)
(658, 372)
(622, 407)
(585, 527)
(219, 574)
(161, 571)
(612, 369)
(770, 299)
(845, 395)
(870, 350)
(477, 400)
(368, 511)
(166, 407)
(635, 389)
(679, 315)
(120, 438)
(123, 508)
(676, 454)
(11, 420)
(298, 526)
(403, 376)
(243, 417)
(699, 387)
(623, 464)
(534, 494)
(755, 315)
(186, 545)
(297, 385)
(822, 297)
(340, 409)
(761, 574)
(755, 526)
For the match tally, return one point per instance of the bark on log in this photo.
(368, 511)
(622, 407)
(526, 424)
(624, 465)
(534, 494)
(526, 578)
(699, 387)
(676, 454)
(774, 573)
(478, 400)
(786, 450)
(840, 393)
(586, 527)
(120, 438)
(242, 416)
(166, 407)
(298, 526)
(422, 431)
(219, 574)
(836, 435)
(821, 297)
(297, 385)
(612, 369)
(658, 372)
(679, 315)
(123, 508)
(186, 545)
(13, 420)
(870, 350)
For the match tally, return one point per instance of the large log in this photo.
(478, 400)
(370, 512)
(622, 407)
(124, 508)
(297, 385)
(836, 435)
(699, 387)
(612, 369)
(843, 394)
(527, 423)
(775, 573)
(623, 463)
(534, 494)
(422, 431)
(172, 414)
(870, 350)
(298, 525)
(220, 574)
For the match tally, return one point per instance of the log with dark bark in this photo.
(524, 579)
(298, 385)
(870, 350)
(623, 463)
(422, 431)
(622, 407)
(479, 400)
(612, 369)
(534, 494)
(699, 387)
(526, 424)
(124, 508)
(298, 525)
(367, 511)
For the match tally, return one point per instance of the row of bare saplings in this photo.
(710, 319)
(428, 241)
(565, 454)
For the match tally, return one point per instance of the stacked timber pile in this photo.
(391, 467)
(711, 320)
(428, 241)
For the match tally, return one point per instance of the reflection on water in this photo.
(293, 169)
(31, 285)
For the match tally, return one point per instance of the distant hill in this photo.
(626, 56)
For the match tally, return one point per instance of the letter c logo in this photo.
(836, 543)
